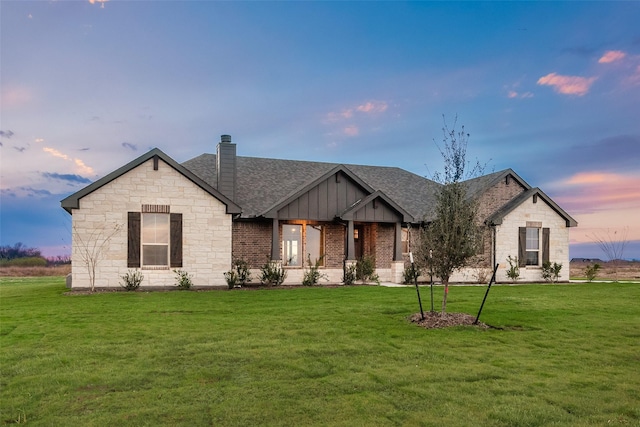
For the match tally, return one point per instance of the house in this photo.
(158, 215)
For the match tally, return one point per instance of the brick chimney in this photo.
(226, 166)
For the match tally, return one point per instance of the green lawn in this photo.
(566, 355)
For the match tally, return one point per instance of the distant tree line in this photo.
(19, 251)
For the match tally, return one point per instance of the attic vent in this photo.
(155, 209)
(507, 180)
(535, 198)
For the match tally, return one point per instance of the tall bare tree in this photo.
(613, 244)
(452, 237)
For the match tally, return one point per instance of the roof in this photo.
(497, 217)
(263, 183)
(73, 201)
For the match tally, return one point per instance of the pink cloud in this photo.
(82, 168)
(612, 56)
(373, 107)
(513, 94)
(351, 130)
(567, 85)
(589, 191)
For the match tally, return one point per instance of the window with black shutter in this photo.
(154, 238)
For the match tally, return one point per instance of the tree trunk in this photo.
(445, 282)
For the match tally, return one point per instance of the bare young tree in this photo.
(612, 244)
(453, 236)
(91, 249)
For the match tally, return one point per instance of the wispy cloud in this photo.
(612, 56)
(366, 108)
(81, 166)
(6, 134)
(567, 85)
(348, 118)
(100, 2)
(15, 96)
(517, 95)
(66, 177)
(25, 191)
(351, 130)
(130, 146)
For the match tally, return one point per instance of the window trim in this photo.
(134, 238)
(302, 250)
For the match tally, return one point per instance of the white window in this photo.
(533, 246)
(302, 243)
(155, 240)
(292, 244)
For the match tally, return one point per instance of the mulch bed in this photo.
(435, 320)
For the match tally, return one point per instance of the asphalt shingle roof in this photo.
(263, 182)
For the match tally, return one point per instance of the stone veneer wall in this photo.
(206, 227)
(507, 239)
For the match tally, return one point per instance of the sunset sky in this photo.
(549, 89)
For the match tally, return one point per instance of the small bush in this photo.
(410, 275)
(591, 271)
(272, 274)
(239, 275)
(312, 276)
(242, 270)
(551, 272)
(183, 279)
(349, 275)
(231, 277)
(131, 280)
(365, 270)
(513, 272)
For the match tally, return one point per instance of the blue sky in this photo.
(549, 89)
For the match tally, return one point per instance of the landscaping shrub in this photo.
(365, 269)
(239, 275)
(272, 274)
(410, 275)
(551, 272)
(131, 280)
(513, 272)
(591, 271)
(312, 275)
(183, 279)
(349, 275)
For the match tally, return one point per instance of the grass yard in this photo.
(567, 355)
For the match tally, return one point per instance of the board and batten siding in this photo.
(324, 201)
(206, 227)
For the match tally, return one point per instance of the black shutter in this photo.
(176, 240)
(545, 245)
(522, 246)
(133, 240)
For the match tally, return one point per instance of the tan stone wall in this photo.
(206, 227)
(507, 239)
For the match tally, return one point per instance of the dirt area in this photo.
(612, 270)
(434, 320)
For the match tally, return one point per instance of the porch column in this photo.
(275, 240)
(397, 253)
(350, 241)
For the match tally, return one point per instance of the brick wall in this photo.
(252, 242)
(385, 243)
(334, 245)
(497, 196)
